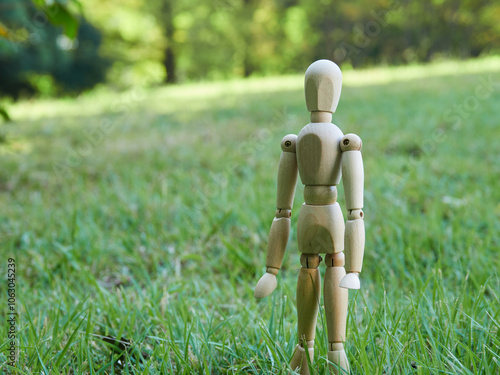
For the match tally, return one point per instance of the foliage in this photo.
(4, 114)
(164, 40)
(58, 14)
(227, 38)
(139, 224)
(35, 56)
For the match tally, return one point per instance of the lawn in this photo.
(138, 222)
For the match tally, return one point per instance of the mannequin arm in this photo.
(280, 228)
(353, 176)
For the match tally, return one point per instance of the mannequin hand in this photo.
(350, 281)
(265, 286)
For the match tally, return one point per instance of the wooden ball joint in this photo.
(321, 154)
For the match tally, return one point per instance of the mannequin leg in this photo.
(336, 299)
(308, 289)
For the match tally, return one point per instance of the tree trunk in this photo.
(169, 55)
(245, 24)
(169, 64)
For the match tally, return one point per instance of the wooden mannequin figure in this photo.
(321, 154)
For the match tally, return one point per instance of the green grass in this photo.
(140, 257)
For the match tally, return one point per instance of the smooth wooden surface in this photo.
(353, 177)
(351, 281)
(338, 361)
(335, 260)
(308, 289)
(319, 155)
(266, 285)
(280, 228)
(287, 174)
(336, 299)
(310, 260)
(321, 117)
(351, 142)
(320, 195)
(354, 245)
(320, 229)
(323, 85)
(278, 239)
(298, 362)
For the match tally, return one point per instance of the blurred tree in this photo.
(248, 27)
(166, 18)
(35, 54)
(158, 41)
(163, 11)
(200, 39)
(79, 65)
(58, 14)
(4, 114)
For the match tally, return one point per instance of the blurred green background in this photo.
(66, 46)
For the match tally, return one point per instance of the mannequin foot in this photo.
(299, 359)
(338, 360)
